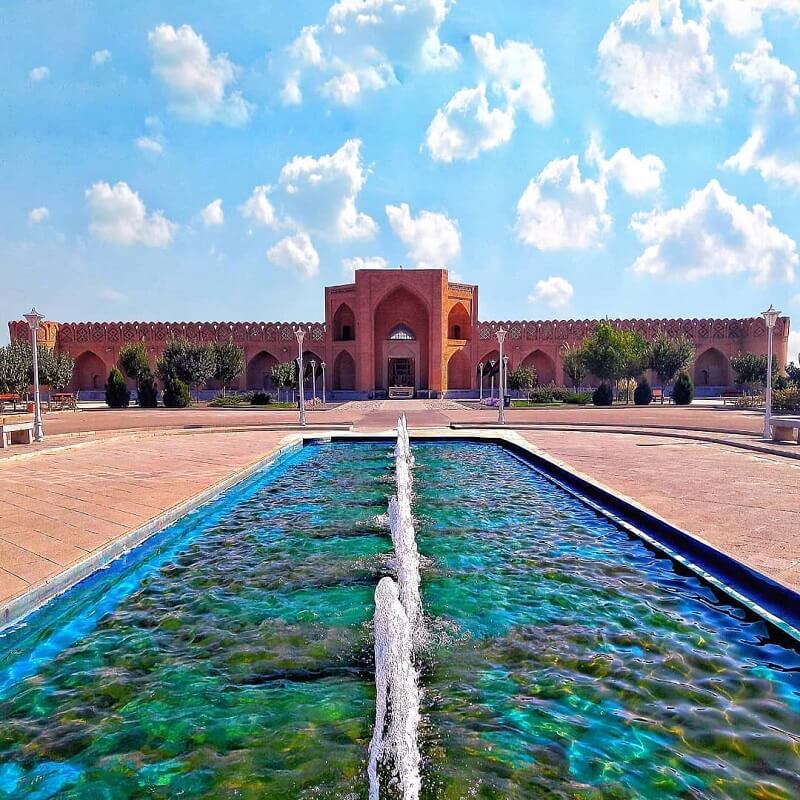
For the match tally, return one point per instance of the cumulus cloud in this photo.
(560, 211)
(37, 215)
(713, 234)
(742, 17)
(258, 207)
(117, 214)
(554, 292)
(467, 125)
(363, 43)
(149, 145)
(350, 265)
(154, 140)
(773, 147)
(432, 239)
(794, 347)
(39, 74)
(637, 176)
(199, 86)
(658, 66)
(296, 252)
(100, 57)
(212, 214)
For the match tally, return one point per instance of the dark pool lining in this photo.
(755, 586)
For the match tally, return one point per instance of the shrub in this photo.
(134, 361)
(176, 393)
(683, 390)
(786, 400)
(548, 394)
(146, 390)
(229, 401)
(260, 399)
(578, 398)
(603, 396)
(643, 394)
(117, 394)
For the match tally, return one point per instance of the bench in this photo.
(730, 394)
(783, 429)
(401, 392)
(59, 400)
(659, 395)
(8, 398)
(16, 429)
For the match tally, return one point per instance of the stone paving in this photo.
(100, 474)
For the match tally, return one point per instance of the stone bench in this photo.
(16, 429)
(784, 428)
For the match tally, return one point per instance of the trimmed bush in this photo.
(260, 399)
(643, 394)
(117, 394)
(578, 398)
(229, 401)
(176, 393)
(603, 396)
(787, 400)
(548, 394)
(146, 390)
(683, 390)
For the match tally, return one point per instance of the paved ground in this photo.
(102, 473)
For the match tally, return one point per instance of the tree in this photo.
(751, 369)
(604, 352)
(683, 391)
(284, 376)
(187, 362)
(669, 356)
(572, 360)
(56, 368)
(17, 367)
(523, 379)
(793, 374)
(134, 361)
(636, 355)
(117, 394)
(228, 362)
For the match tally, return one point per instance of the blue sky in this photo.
(226, 160)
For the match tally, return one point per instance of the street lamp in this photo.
(501, 418)
(505, 374)
(34, 319)
(322, 366)
(314, 380)
(480, 369)
(491, 364)
(771, 317)
(300, 335)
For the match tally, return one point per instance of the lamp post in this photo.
(505, 375)
(313, 380)
(300, 335)
(771, 317)
(501, 417)
(322, 365)
(34, 320)
(491, 364)
(480, 369)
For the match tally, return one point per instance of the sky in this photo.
(227, 160)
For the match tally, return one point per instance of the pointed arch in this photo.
(458, 371)
(259, 371)
(459, 325)
(344, 372)
(543, 364)
(89, 373)
(712, 368)
(344, 324)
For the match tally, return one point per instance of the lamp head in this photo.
(771, 316)
(34, 319)
(501, 334)
(300, 334)
(322, 365)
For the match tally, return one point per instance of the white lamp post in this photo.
(505, 374)
(491, 364)
(300, 335)
(314, 380)
(501, 417)
(322, 365)
(771, 317)
(34, 319)
(480, 369)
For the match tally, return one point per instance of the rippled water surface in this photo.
(233, 658)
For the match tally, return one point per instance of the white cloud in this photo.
(713, 234)
(637, 176)
(150, 145)
(118, 215)
(350, 265)
(296, 252)
(39, 74)
(466, 126)
(432, 239)
(519, 73)
(741, 17)
(199, 86)
(319, 194)
(36, 215)
(362, 44)
(100, 57)
(258, 207)
(773, 147)
(793, 350)
(212, 214)
(554, 292)
(658, 66)
(154, 141)
(560, 211)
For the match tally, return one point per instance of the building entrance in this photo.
(401, 372)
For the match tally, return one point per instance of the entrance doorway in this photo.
(401, 372)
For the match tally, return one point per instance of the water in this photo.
(566, 660)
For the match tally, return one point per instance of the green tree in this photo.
(605, 352)
(751, 370)
(55, 369)
(636, 355)
(284, 376)
(228, 362)
(683, 391)
(793, 374)
(17, 367)
(572, 360)
(117, 394)
(187, 362)
(133, 360)
(523, 379)
(668, 356)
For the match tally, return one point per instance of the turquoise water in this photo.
(233, 656)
